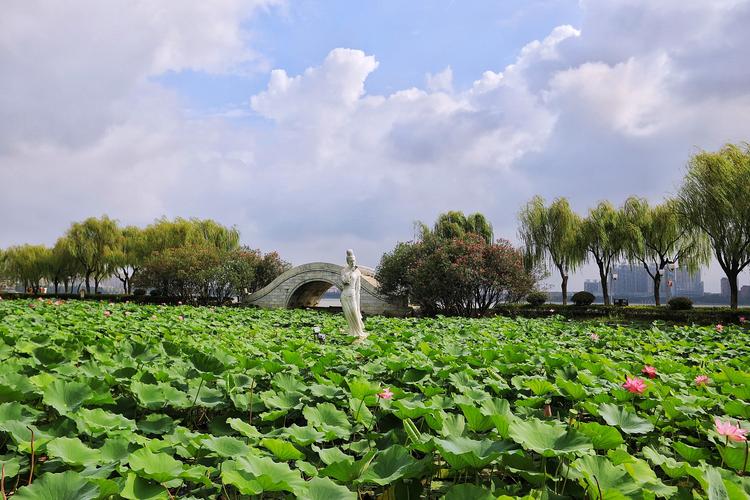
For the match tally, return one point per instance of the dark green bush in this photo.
(680, 303)
(536, 298)
(139, 292)
(583, 298)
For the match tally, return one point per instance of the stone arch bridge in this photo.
(303, 286)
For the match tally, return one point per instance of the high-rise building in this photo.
(631, 281)
(684, 283)
(593, 286)
(725, 291)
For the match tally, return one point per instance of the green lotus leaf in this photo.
(226, 446)
(462, 452)
(66, 397)
(342, 467)
(115, 449)
(73, 451)
(322, 488)
(468, 492)
(394, 463)
(205, 363)
(67, 485)
(281, 449)
(598, 474)
(284, 382)
(691, 453)
(98, 421)
(603, 437)
(547, 439)
(303, 436)
(137, 488)
(244, 428)
(475, 419)
(15, 387)
(629, 422)
(11, 465)
(156, 423)
(160, 467)
(361, 388)
(19, 412)
(266, 474)
(499, 411)
(327, 418)
(573, 389)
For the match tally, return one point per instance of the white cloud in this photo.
(610, 108)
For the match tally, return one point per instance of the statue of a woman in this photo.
(351, 277)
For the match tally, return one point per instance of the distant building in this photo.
(725, 290)
(744, 294)
(684, 283)
(631, 281)
(593, 286)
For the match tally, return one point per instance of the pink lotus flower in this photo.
(702, 380)
(107, 313)
(386, 394)
(594, 337)
(719, 328)
(181, 317)
(730, 431)
(634, 385)
(649, 371)
(742, 319)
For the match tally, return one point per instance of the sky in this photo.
(317, 126)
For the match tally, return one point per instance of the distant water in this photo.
(324, 302)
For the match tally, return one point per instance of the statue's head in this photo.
(350, 258)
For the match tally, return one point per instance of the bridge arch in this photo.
(308, 293)
(302, 286)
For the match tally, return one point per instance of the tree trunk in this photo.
(564, 286)
(96, 285)
(88, 283)
(605, 287)
(657, 286)
(733, 289)
(57, 284)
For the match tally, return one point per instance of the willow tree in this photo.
(128, 255)
(26, 264)
(92, 242)
(552, 234)
(454, 224)
(606, 234)
(662, 239)
(714, 199)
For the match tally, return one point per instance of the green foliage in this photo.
(153, 401)
(713, 199)
(536, 298)
(552, 234)
(663, 239)
(455, 224)
(680, 303)
(583, 298)
(28, 264)
(460, 276)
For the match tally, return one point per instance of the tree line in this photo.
(188, 258)
(709, 215)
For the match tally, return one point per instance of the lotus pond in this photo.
(125, 401)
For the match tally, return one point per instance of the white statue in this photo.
(351, 277)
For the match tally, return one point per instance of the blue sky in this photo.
(410, 39)
(318, 126)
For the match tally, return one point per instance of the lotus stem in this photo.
(31, 470)
(744, 463)
(599, 488)
(2, 483)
